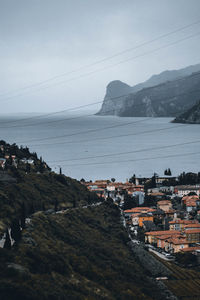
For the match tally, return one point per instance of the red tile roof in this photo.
(164, 232)
(192, 231)
(190, 249)
(184, 222)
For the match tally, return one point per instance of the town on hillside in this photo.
(162, 213)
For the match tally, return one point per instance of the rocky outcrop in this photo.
(192, 116)
(167, 94)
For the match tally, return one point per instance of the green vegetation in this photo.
(81, 254)
(27, 185)
(40, 192)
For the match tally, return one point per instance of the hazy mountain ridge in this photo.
(192, 116)
(143, 99)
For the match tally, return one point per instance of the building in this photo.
(165, 205)
(152, 236)
(176, 244)
(180, 224)
(2, 162)
(183, 190)
(144, 217)
(193, 235)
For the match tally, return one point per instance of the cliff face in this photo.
(116, 93)
(192, 116)
(161, 95)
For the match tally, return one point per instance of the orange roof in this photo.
(191, 203)
(157, 194)
(192, 225)
(139, 209)
(164, 232)
(184, 222)
(164, 237)
(190, 249)
(164, 202)
(170, 211)
(177, 241)
(193, 197)
(193, 231)
(135, 215)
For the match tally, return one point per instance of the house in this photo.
(160, 180)
(190, 205)
(157, 195)
(149, 226)
(176, 244)
(192, 226)
(165, 205)
(170, 213)
(139, 196)
(162, 239)
(144, 217)
(193, 235)
(192, 250)
(152, 236)
(140, 210)
(180, 224)
(183, 190)
(187, 198)
(2, 162)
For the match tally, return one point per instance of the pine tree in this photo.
(7, 244)
(56, 205)
(23, 216)
(15, 231)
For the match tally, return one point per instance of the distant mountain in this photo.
(143, 99)
(192, 116)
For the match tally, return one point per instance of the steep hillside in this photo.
(161, 95)
(192, 116)
(82, 254)
(28, 185)
(40, 192)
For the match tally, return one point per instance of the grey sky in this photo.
(40, 39)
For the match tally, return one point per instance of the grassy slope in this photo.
(79, 255)
(39, 192)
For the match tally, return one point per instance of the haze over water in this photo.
(64, 151)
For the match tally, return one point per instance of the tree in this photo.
(169, 172)
(15, 230)
(7, 244)
(28, 168)
(56, 205)
(23, 216)
(132, 179)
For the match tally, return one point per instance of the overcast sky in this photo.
(41, 39)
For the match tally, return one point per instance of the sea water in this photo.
(102, 147)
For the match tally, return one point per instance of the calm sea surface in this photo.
(76, 143)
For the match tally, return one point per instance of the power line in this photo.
(117, 98)
(111, 137)
(127, 152)
(131, 160)
(102, 60)
(114, 98)
(110, 66)
(92, 130)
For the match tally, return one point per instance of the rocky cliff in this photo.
(192, 116)
(167, 94)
